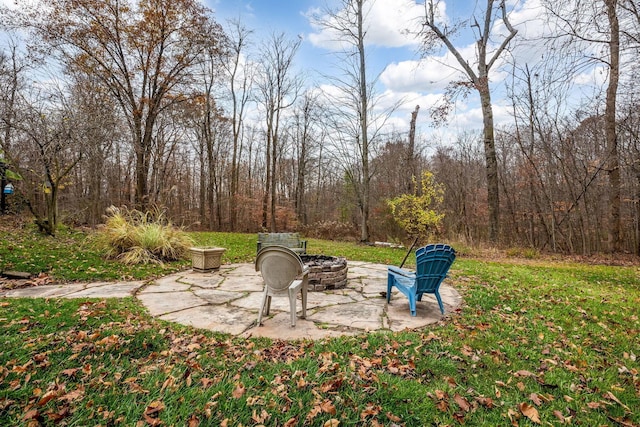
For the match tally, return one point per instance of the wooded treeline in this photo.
(154, 103)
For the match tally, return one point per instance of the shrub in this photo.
(136, 237)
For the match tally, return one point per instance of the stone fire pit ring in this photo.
(326, 272)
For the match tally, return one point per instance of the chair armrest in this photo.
(399, 271)
(295, 285)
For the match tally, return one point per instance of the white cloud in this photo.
(596, 76)
(429, 74)
(394, 23)
(434, 72)
(388, 23)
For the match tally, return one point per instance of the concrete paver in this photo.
(227, 301)
(218, 318)
(359, 315)
(163, 303)
(107, 290)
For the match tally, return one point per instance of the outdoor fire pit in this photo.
(326, 272)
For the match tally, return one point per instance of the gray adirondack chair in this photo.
(284, 274)
(432, 266)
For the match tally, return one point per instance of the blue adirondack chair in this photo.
(432, 265)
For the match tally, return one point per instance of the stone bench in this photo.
(288, 240)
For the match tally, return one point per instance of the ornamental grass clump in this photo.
(136, 237)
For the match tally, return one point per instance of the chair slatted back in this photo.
(432, 266)
(279, 267)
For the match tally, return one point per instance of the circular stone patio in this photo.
(227, 301)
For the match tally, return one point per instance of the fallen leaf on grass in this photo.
(451, 381)
(529, 412)
(393, 418)
(328, 407)
(56, 416)
(440, 395)
(443, 405)
(623, 422)
(595, 405)
(370, 410)
(70, 372)
(514, 416)
(487, 402)
(535, 398)
(610, 396)
(152, 412)
(524, 373)
(30, 415)
(331, 385)
(559, 416)
(52, 394)
(331, 423)
(261, 417)
(462, 402)
(206, 382)
(239, 391)
(73, 395)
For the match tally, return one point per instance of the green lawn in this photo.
(74, 255)
(535, 343)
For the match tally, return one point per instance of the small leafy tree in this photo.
(417, 213)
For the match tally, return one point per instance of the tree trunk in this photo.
(274, 166)
(364, 125)
(613, 167)
(3, 183)
(493, 195)
(411, 155)
(202, 193)
(267, 187)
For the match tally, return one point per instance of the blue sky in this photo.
(391, 51)
(403, 74)
(292, 17)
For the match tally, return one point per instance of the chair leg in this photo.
(389, 286)
(292, 306)
(266, 302)
(440, 302)
(412, 305)
(268, 306)
(304, 300)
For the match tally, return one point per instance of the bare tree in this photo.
(142, 53)
(12, 67)
(241, 79)
(305, 137)
(585, 26)
(355, 126)
(459, 167)
(487, 55)
(49, 150)
(99, 128)
(278, 90)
